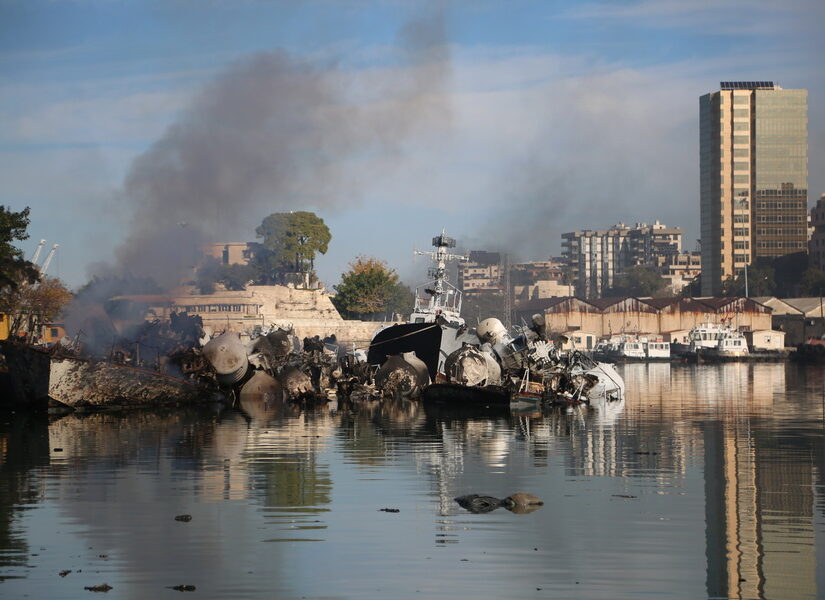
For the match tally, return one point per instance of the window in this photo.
(740, 165)
(741, 152)
(740, 112)
(741, 178)
(741, 126)
(741, 99)
(741, 139)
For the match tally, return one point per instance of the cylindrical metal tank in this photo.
(492, 331)
(402, 375)
(227, 355)
(261, 386)
(469, 365)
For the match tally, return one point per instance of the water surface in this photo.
(707, 481)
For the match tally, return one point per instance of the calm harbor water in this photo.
(706, 482)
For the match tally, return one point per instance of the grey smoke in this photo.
(273, 133)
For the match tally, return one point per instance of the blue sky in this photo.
(507, 123)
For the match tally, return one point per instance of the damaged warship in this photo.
(438, 357)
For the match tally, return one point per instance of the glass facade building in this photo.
(753, 176)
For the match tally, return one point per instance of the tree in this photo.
(33, 305)
(637, 281)
(484, 305)
(14, 269)
(371, 288)
(290, 242)
(813, 282)
(760, 282)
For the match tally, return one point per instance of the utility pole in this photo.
(508, 304)
(746, 281)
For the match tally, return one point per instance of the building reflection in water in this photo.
(753, 431)
(759, 480)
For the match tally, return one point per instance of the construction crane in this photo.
(36, 254)
(49, 257)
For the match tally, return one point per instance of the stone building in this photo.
(230, 253)
(309, 311)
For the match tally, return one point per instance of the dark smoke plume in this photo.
(271, 133)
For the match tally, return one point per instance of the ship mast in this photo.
(443, 296)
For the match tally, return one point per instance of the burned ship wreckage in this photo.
(439, 357)
(435, 357)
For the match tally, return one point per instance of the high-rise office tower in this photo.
(753, 176)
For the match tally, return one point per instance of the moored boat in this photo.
(715, 341)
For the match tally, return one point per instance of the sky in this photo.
(131, 127)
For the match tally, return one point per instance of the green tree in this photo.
(14, 269)
(813, 282)
(290, 242)
(370, 289)
(760, 282)
(479, 306)
(638, 281)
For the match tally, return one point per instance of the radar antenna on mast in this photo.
(444, 298)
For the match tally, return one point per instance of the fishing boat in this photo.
(716, 341)
(657, 350)
(630, 348)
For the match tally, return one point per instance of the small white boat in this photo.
(631, 348)
(715, 340)
(657, 350)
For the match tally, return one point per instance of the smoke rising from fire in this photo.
(272, 133)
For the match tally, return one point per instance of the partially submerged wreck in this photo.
(436, 357)
(483, 365)
(72, 376)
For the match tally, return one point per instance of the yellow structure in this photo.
(230, 253)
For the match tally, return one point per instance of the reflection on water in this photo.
(705, 482)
